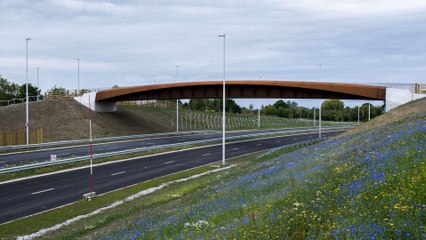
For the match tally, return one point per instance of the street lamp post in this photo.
(177, 101)
(78, 76)
(38, 73)
(369, 111)
(27, 98)
(91, 148)
(358, 115)
(223, 101)
(314, 115)
(319, 120)
(258, 113)
(258, 109)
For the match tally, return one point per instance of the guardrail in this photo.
(97, 140)
(144, 149)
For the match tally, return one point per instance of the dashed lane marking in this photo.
(118, 173)
(43, 191)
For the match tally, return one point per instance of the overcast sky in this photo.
(133, 42)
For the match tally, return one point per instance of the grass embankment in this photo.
(66, 119)
(171, 193)
(368, 185)
(196, 120)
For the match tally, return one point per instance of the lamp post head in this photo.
(221, 35)
(28, 39)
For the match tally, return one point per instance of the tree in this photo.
(333, 109)
(197, 104)
(280, 104)
(58, 90)
(8, 90)
(32, 91)
(270, 110)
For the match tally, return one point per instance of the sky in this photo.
(130, 42)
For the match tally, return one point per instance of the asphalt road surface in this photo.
(30, 196)
(34, 156)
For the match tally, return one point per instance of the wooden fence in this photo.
(420, 88)
(19, 138)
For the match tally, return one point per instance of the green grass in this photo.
(362, 186)
(193, 120)
(143, 205)
(368, 185)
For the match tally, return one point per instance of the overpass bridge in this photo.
(105, 100)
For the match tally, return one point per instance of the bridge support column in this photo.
(96, 106)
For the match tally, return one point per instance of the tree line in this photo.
(332, 110)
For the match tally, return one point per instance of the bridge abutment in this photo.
(96, 106)
(396, 97)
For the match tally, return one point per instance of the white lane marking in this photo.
(278, 141)
(259, 144)
(45, 231)
(235, 149)
(207, 154)
(2, 162)
(295, 138)
(146, 167)
(42, 191)
(118, 173)
(169, 162)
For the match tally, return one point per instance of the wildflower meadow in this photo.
(370, 185)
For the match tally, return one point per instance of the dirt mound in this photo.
(397, 114)
(66, 119)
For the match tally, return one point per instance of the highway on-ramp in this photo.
(29, 196)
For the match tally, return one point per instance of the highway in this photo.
(34, 156)
(29, 196)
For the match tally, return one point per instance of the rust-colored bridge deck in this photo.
(244, 89)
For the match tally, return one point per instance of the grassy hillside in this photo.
(66, 119)
(367, 185)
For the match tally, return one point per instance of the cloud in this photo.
(353, 8)
(138, 41)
